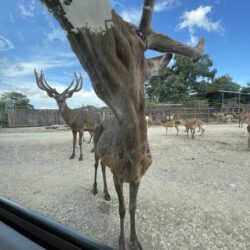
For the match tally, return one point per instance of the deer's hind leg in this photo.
(95, 190)
(74, 144)
(105, 190)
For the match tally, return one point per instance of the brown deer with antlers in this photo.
(79, 120)
(113, 56)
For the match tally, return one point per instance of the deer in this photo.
(149, 120)
(219, 115)
(171, 124)
(198, 124)
(190, 124)
(79, 120)
(112, 53)
(248, 130)
(243, 117)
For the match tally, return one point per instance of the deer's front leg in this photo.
(80, 144)
(122, 210)
(74, 144)
(133, 190)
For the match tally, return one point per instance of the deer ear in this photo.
(156, 65)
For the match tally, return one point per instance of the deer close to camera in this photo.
(79, 120)
(113, 56)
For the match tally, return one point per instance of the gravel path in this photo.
(196, 194)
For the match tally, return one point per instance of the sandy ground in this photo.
(196, 194)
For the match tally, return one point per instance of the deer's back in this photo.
(170, 123)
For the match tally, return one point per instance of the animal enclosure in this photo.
(195, 195)
(45, 117)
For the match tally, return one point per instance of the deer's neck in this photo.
(65, 111)
(133, 130)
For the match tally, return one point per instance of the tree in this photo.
(180, 82)
(246, 89)
(14, 100)
(224, 83)
(245, 98)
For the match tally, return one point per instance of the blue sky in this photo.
(31, 38)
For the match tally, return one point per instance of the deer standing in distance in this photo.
(248, 130)
(79, 120)
(242, 117)
(171, 124)
(113, 57)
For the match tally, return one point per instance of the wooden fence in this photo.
(46, 117)
(31, 117)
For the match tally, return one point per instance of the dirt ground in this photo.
(196, 194)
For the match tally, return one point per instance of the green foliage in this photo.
(182, 80)
(246, 89)
(186, 78)
(14, 100)
(224, 83)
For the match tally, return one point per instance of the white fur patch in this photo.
(91, 13)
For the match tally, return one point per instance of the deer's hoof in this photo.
(72, 157)
(107, 197)
(122, 244)
(80, 158)
(135, 245)
(95, 190)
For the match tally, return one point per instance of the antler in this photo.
(163, 43)
(43, 85)
(76, 88)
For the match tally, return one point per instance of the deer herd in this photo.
(112, 54)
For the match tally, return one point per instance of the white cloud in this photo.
(133, 15)
(198, 19)
(27, 10)
(56, 34)
(21, 36)
(11, 18)
(165, 5)
(20, 77)
(40, 99)
(85, 97)
(26, 68)
(5, 44)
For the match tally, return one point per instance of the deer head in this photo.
(114, 57)
(52, 92)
